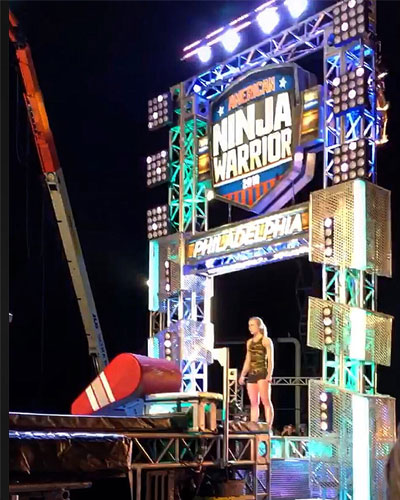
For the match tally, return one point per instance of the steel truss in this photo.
(168, 451)
(298, 41)
(187, 200)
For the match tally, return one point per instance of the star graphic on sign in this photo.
(282, 83)
(221, 111)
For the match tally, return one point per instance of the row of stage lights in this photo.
(328, 237)
(352, 19)
(168, 346)
(327, 321)
(267, 17)
(325, 411)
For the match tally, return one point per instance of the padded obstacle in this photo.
(128, 377)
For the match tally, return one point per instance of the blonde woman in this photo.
(258, 366)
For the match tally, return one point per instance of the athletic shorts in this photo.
(253, 378)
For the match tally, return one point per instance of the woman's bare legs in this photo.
(254, 396)
(264, 388)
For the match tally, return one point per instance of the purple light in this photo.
(296, 7)
(268, 19)
(230, 40)
(204, 53)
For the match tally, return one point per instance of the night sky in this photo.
(98, 63)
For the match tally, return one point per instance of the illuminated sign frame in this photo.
(256, 119)
(275, 232)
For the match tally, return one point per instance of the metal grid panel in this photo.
(382, 423)
(338, 202)
(378, 331)
(379, 241)
(193, 338)
(194, 283)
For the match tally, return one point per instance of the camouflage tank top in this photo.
(258, 361)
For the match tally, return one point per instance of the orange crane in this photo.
(54, 178)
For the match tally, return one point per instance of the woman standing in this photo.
(258, 365)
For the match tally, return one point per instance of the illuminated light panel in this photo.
(157, 168)
(358, 332)
(154, 252)
(268, 20)
(159, 111)
(296, 7)
(351, 20)
(230, 40)
(361, 448)
(204, 53)
(359, 256)
(350, 161)
(350, 91)
(157, 222)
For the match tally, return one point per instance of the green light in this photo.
(154, 277)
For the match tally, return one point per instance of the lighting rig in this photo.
(157, 222)
(266, 17)
(157, 168)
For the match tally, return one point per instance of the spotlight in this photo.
(170, 346)
(296, 7)
(325, 411)
(159, 111)
(268, 19)
(350, 91)
(204, 53)
(210, 194)
(230, 40)
(327, 321)
(196, 88)
(328, 233)
(350, 161)
(157, 222)
(351, 20)
(157, 168)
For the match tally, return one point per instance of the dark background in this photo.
(97, 64)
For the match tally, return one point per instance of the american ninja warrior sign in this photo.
(254, 133)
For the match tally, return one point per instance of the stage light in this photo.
(196, 88)
(210, 194)
(157, 168)
(296, 7)
(157, 222)
(327, 321)
(268, 19)
(352, 19)
(159, 111)
(167, 280)
(325, 411)
(350, 161)
(350, 91)
(328, 233)
(169, 348)
(230, 40)
(204, 53)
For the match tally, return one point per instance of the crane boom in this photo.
(59, 196)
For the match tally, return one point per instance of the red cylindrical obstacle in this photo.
(127, 377)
